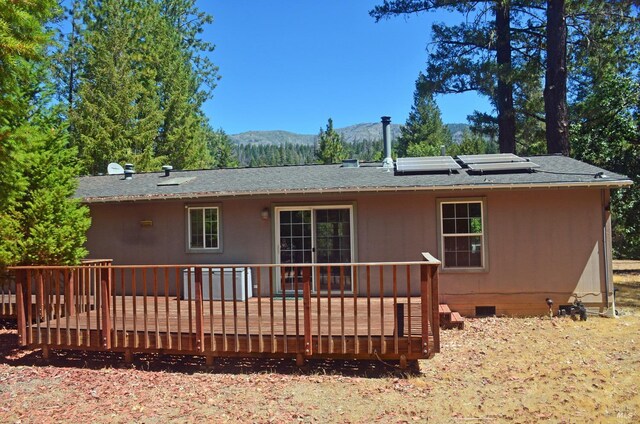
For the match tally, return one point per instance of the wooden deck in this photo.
(100, 313)
(259, 325)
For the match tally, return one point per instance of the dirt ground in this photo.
(495, 370)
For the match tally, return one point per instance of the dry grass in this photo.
(626, 279)
(496, 370)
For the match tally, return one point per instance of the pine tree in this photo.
(52, 225)
(331, 145)
(605, 112)
(22, 37)
(39, 223)
(423, 134)
(477, 54)
(472, 144)
(134, 80)
(221, 149)
(117, 112)
(555, 88)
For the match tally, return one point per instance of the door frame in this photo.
(312, 207)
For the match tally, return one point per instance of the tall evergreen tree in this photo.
(472, 144)
(555, 88)
(135, 77)
(117, 112)
(39, 223)
(475, 55)
(331, 145)
(423, 133)
(221, 150)
(605, 109)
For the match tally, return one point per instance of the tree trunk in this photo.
(555, 89)
(506, 112)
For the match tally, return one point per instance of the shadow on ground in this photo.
(13, 355)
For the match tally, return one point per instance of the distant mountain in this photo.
(276, 137)
(457, 131)
(367, 131)
(358, 132)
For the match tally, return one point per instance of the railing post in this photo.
(435, 308)
(40, 296)
(69, 295)
(429, 288)
(425, 305)
(199, 310)
(105, 295)
(20, 307)
(306, 292)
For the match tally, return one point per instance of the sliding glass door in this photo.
(315, 235)
(294, 247)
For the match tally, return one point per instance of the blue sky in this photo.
(290, 65)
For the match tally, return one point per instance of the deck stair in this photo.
(449, 319)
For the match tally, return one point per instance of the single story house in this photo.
(509, 236)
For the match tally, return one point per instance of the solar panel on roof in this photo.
(427, 164)
(503, 166)
(491, 158)
(496, 162)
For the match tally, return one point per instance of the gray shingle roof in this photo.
(554, 171)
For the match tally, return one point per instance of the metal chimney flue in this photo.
(387, 162)
(167, 170)
(128, 171)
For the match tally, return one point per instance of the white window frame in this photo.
(216, 249)
(483, 236)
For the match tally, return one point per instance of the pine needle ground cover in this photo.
(496, 370)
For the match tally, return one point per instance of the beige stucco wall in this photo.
(540, 243)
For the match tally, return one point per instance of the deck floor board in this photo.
(248, 316)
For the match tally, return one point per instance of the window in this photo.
(204, 228)
(462, 232)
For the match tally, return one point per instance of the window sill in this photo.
(199, 251)
(464, 270)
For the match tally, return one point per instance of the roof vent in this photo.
(167, 170)
(386, 136)
(128, 171)
(350, 163)
(175, 181)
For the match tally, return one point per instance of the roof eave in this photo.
(341, 190)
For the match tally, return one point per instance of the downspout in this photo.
(606, 210)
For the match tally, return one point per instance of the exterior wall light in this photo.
(264, 214)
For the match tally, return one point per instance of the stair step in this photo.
(457, 321)
(443, 308)
(445, 314)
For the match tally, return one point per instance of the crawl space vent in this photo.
(485, 311)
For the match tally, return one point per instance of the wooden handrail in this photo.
(95, 261)
(223, 265)
(430, 259)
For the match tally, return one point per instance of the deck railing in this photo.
(7, 295)
(8, 287)
(355, 310)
